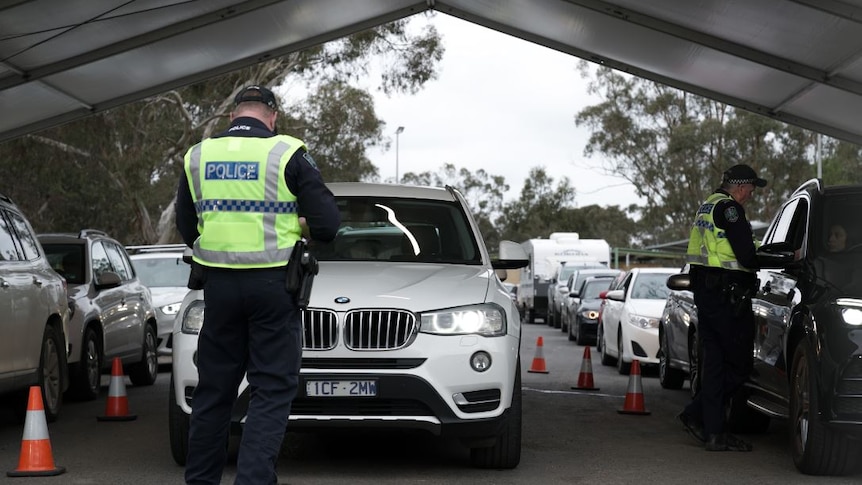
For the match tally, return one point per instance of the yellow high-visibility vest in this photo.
(247, 217)
(708, 244)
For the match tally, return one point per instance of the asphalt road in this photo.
(569, 437)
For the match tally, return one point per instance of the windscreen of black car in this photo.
(593, 289)
(392, 229)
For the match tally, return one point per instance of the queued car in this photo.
(808, 330)
(408, 326)
(161, 268)
(630, 317)
(584, 326)
(558, 288)
(677, 335)
(111, 310)
(35, 311)
(572, 298)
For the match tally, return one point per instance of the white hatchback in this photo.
(630, 318)
(408, 326)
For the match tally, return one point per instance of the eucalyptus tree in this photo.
(673, 146)
(118, 170)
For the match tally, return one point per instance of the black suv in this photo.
(808, 329)
(112, 311)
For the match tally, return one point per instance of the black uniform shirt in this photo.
(316, 202)
(729, 216)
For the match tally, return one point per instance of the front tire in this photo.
(86, 380)
(623, 367)
(603, 348)
(51, 365)
(178, 427)
(506, 452)
(144, 373)
(669, 377)
(817, 448)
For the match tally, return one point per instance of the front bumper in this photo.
(428, 385)
(640, 343)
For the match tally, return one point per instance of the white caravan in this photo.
(546, 256)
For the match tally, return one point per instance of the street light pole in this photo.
(397, 134)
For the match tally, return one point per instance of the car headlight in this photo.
(590, 314)
(171, 309)
(851, 310)
(643, 322)
(488, 320)
(193, 319)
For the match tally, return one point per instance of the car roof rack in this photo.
(155, 248)
(91, 232)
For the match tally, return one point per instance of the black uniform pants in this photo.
(251, 325)
(726, 335)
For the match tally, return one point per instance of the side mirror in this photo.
(775, 255)
(512, 256)
(616, 295)
(680, 281)
(108, 279)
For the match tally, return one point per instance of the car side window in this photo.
(121, 267)
(25, 236)
(8, 249)
(101, 263)
(790, 224)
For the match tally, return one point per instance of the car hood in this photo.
(590, 304)
(165, 295)
(646, 308)
(412, 286)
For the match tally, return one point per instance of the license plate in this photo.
(340, 388)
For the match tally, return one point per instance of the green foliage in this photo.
(117, 171)
(674, 146)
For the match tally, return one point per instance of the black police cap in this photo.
(257, 94)
(743, 174)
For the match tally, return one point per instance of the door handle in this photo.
(37, 282)
(4, 284)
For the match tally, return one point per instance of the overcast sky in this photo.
(501, 104)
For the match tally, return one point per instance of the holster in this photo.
(738, 296)
(301, 268)
(197, 276)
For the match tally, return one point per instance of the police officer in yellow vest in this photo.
(246, 196)
(722, 257)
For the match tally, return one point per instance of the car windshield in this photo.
(594, 288)
(394, 229)
(68, 261)
(651, 286)
(162, 272)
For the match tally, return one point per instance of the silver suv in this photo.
(112, 311)
(408, 326)
(34, 312)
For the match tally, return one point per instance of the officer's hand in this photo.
(306, 232)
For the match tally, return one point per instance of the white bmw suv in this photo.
(408, 325)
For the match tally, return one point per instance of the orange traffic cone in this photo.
(36, 459)
(635, 395)
(585, 378)
(539, 360)
(117, 406)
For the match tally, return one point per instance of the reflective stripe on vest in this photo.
(707, 244)
(276, 210)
